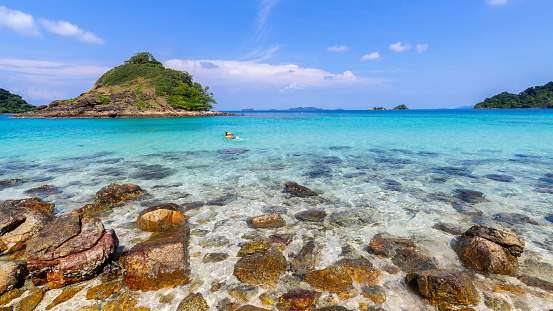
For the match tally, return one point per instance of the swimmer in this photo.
(229, 135)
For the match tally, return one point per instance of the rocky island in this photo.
(13, 103)
(141, 87)
(534, 97)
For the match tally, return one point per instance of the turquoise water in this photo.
(401, 166)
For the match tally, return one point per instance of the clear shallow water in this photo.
(401, 166)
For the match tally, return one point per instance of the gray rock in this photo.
(351, 218)
(11, 273)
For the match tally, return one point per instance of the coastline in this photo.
(119, 114)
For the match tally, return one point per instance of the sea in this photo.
(403, 168)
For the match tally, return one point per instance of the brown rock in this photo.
(110, 272)
(311, 216)
(449, 228)
(267, 221)
(91, 308)
(30, 302)
(75, 267)
(159, 262)
(11, 273)
(307, 258)
(31, 203)
(261, 268)
(332, 308)
(502, 237)
(126, 302)
(535, 282)
(403, 252)
(297, 190)
(483, 255)
(498, 304)
(268, 298)
(334, 279)
(50, 237)
(215, 257)
(444, 286)
(193, 302)
(227, 305)
(242, 292)
(251, 308)
(281, 240)
(8, 296)
(375, 293)
(42, 190)
(18, 225)
(252, 247)
(361, 270)
(103, 291)
(112, 195)
(161, 218)
(67, 294)
(298, 300)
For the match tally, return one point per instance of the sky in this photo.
(279, 54)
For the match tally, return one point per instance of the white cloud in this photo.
(261, 54)
(52, 69)
(496, 2)
(400, 47)
(264, 12)
(372, 56)
(67, 29)
(292, 87)
(338, 48)
(22, 23)
(240, 74)
(422, 47)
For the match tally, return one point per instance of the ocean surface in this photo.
(402, 167)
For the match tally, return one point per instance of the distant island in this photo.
(302, 109)
(400, 107)
(13, 103)
(533, 97)
(141, 87)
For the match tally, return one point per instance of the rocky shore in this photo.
(41, 112)
(73, 261)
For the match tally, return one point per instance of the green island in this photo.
(13, 103)
(533, 97)
(140, 87)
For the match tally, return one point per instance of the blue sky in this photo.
(265, 54)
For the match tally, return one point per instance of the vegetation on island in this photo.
(401, 107)
(533, 97)
(175, 86)
(13, 103)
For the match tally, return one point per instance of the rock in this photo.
(67, 294)
(228, 305)
(222, 201)
(217, 241)
(252, 247)
(361, 270)
(43, 190)
(75, 267)
(103, 291)
(31, 203)
(502, 237)
(161, 261)
(311, 216)
(269, 298)
(298, 191)
(449, 228)
(298, 300)
(351, 218)
(334, 279)
(466, 209)
(192, 206)
(8, 296)
(215, 257)
(307, 258)
(375, 293)
(9, 182)
(30, 302)
(17, 225)
(161, 218)
(242, 292)
(267, 221)
(470, 196)
(281, 240)
(444, 286)
(483, 255)
(193, 302)
(535, 282)
(403, 252)
(126, 302)
(110, 272)
(514, 218)
(261, 268)
(251, 308)
(112, 195)
(500, 177)
(55, 234)
(11, 274)
(497, 304)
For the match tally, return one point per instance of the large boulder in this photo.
(490, 250)
(444, 286)
(161, 261)
(31, 203)
(112, 195)
(56, 233)
(161, 218)
(18, 225)
(11, 273)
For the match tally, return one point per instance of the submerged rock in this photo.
(444, 286)
(161, 261)
(161, 218)
(470, 196)
(215, 257)
(267, 221)
(31, 203)
(375, 293)
(43, 190)
(298, 300)
(298, 191)
(499, 177)
(403, 252)
(11, 274)
(351, 218)
(112, 195)
(449, 228)
(334, 279)
(514, 218)
(307, 258)
(222, 201)
(242, 292)
(311, 216)
(261, 268)
(66, 295)
(252, 247)
(9, 182)
(361, 270)
(193, 302)
(30, 302)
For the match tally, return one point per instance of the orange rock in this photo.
(267, 221)
(161, 220)
(261, 268)
(333, 279)
(298, 300)
(252, 247)
(361, 270)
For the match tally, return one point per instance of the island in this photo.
(533, 97)
(401, 107)
(13, 103)
(141, 87)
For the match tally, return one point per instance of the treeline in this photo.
(533, 97)
(12, 103)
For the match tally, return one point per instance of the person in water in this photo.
(229, 135)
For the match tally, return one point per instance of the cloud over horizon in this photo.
(338, 48)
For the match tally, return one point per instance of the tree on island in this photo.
(12, 103)
(533, 97)
(401, 107)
